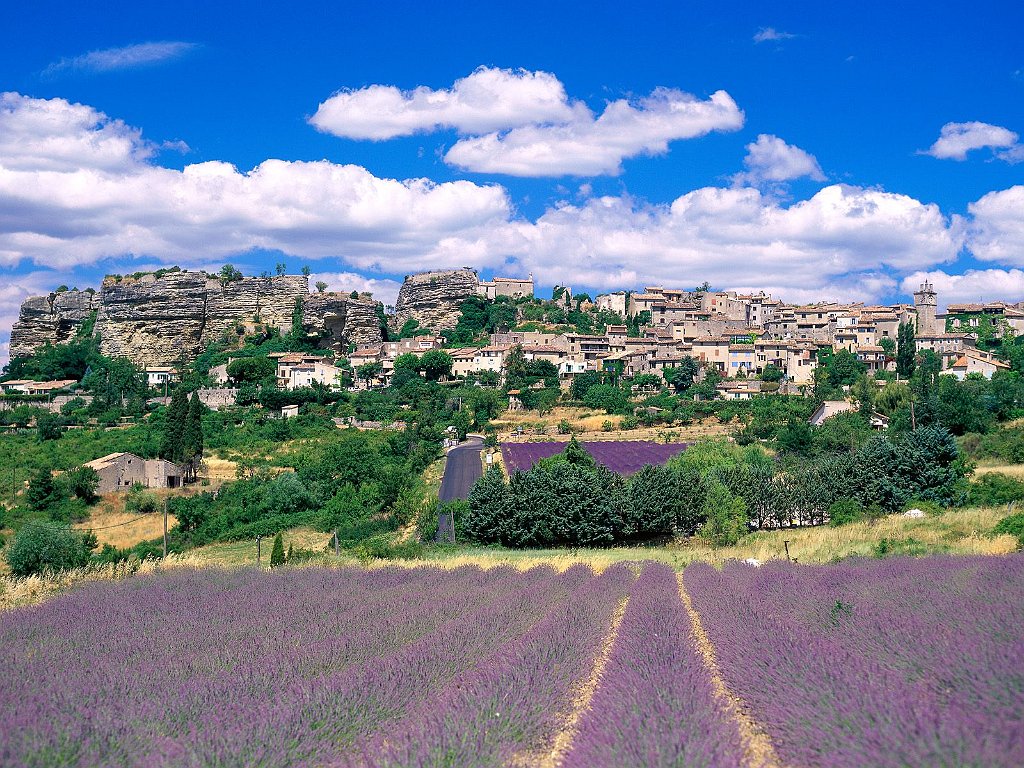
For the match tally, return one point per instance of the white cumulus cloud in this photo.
(592, 146)
(488, 99)
(771, 160)
(88, 192)
(383, 289)
(997, 226)
(737, 237)
(114, 202)
(974, 285)
(957, 139)
(126, 57)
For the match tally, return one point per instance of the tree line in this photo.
(715, 489)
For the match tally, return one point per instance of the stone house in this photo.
(120, 471)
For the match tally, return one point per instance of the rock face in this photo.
(433, 298)
(51, 319)
(163, 320)
(343, 319)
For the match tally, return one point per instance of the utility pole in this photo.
(786, 545)
(165, 527)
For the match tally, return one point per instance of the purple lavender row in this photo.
(625, 457)
(183, 666)
(361, 702)
(517, 702)
(656, 705)
(903, 662)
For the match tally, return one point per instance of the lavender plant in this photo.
(901, 662)
(656, 705)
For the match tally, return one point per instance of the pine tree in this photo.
(277, 553)
(171, 446)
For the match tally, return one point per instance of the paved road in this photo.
(461, 470)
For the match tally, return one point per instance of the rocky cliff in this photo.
(160, 320)
(54, 318)
(433, 298)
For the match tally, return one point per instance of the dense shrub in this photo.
(1012, 525)
(39, 548)
(994, 488)
(845, 511)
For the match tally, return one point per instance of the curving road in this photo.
(461, 470)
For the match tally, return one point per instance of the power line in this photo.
(101, 528)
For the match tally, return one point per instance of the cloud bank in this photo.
(78, 188)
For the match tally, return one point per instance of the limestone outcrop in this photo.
(161, 320)
(51, 319)
(433, 298)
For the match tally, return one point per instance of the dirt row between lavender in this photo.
(760, 752)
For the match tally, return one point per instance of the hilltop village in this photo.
(753, 342)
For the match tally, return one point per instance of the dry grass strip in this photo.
(759, 750)
(562, 741)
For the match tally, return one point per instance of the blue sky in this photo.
(812, 151)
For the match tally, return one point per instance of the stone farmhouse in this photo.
(120, 471)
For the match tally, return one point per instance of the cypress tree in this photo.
(906, 350)
(192, 435)
(172, 446)
(277, 553)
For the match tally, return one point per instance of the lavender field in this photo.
(900, 662)
(626, 457)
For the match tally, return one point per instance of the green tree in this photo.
(436, 364)
(306, 271)
(772, 373)
(171, 445)
(906, 350)
(192, 437)
(281, 269)
(39, 548)
(863, 392)
(490, 507)
(606, 397)
(277, 553)
(83, 483)
(252, 370)
(726, 519)
(321, 286)
(681, 376)
(582, 383)
(369, 371)
(41, 493)
(888, 346)
(228, 274)
(49, 427)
